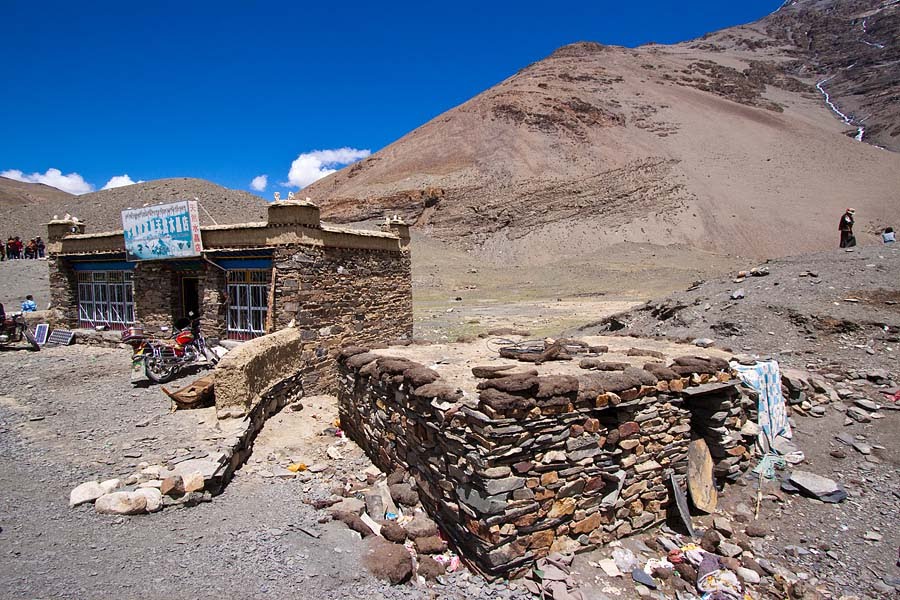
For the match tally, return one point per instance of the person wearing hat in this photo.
(848, 240)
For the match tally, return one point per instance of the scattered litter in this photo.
(551, 577)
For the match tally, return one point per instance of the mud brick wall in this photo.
(534, 464)
(342, 296)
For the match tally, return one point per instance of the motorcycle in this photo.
(160, 360)
(13, 328)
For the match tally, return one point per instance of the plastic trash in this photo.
(625, 559)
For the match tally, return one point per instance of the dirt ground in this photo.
(831, 308)
(18, 278)
(69, 415)
(459, 294)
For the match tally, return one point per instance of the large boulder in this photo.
(247, 372)
(88, 491)
(122, 503)
(153, 498)
(388, 561)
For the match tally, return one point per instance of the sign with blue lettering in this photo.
(162, 231)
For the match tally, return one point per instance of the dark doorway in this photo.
(190, 296)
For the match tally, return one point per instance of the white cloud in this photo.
(119, 181)
(72, 183)
(259, 183)
(312, 166)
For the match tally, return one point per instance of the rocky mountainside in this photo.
(853, 49)
(724, 144)
(16, 201)
(28, 206)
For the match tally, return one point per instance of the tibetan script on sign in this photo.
(162, 232)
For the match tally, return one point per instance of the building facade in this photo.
(251, 279)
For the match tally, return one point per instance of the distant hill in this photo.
(724, 144)
(28, 206)
(17, 202)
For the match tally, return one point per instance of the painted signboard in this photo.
(163, 231)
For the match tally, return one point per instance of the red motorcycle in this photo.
(14, 328)
(161, 361)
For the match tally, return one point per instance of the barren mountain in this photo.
(725, 144)
(28, 206)
(18, 198)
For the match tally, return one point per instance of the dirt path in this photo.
(69, 415)
(18, 278)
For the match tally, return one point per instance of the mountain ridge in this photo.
(600, 144)
(29, 206)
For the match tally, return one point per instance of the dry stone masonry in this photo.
(522, 464)
(335, 283)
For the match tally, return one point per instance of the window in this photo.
(248, 303)
(105, 298)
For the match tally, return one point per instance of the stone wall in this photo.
(63, 290)
(534, 464)
(213, 302)
(340, 296)
(337, 284)
(155, 300)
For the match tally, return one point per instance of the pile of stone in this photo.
(719, 412)
(533, 464)
(718, 408)
(182, 482)
(805, 393)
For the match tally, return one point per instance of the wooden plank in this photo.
(194, 394)
(701, 484)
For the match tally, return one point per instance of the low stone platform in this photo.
(517, 460)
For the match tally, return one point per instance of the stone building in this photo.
(255, 278)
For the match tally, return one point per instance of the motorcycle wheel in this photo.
(157, 372)
(31, 339)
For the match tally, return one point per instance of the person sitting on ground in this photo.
(846, 228)
(29, 305)
(887, 236)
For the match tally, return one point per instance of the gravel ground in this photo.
(22, 277)
(834, 307)
(68, 415)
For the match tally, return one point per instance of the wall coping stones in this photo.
(532, 462)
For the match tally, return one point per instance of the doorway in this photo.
(190, 297)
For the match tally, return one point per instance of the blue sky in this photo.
(228, 91)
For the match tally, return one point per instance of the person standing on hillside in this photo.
(40, 246)
(848, 240)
